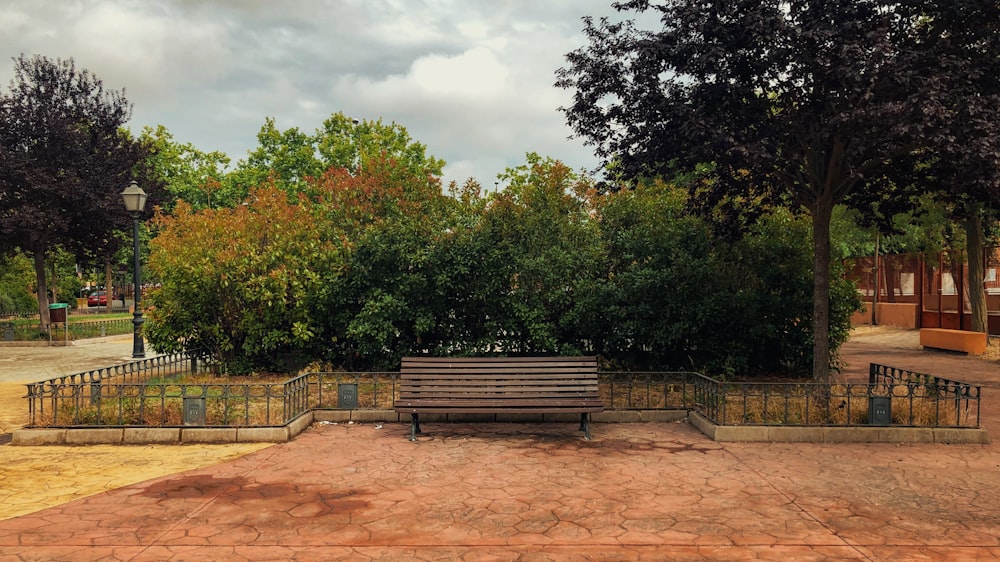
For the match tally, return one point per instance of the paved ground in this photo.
(29, 364)
(539, 492)
(33, 478)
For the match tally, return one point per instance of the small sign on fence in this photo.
(347, 396)
(879, 410)
(194, 410)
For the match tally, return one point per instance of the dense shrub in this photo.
(16, 279)
(381, 265)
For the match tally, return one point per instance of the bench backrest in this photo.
(501, 381)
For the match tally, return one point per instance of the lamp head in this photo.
(134, 198)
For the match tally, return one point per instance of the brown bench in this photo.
(498, 385)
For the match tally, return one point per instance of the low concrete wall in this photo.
(281, 434)
(881, 434)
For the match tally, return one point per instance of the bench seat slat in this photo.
(489, 393)
(500, 370)
(479, 402)
(473, 393)
(498, 386)
(452, 388)
(503, 360)
(505, 410)
(496, 375)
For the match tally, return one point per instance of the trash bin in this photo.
(57, 313)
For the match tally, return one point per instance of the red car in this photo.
(100, 298)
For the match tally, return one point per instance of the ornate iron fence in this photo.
(147, 393)
(373, 390)
(948, 397)
(648, 390)
(84, 329)
(892, 396)
(26, 329)
(50, 401)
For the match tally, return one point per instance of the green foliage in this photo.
(237, 285)
(378, 265)
(550, 251)
(291, 158)
(676, 296)
(926, 229)
(189, 174)
(16, 279)
(61, 146)
(771, 309)
(388, 216)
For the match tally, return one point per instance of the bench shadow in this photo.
(553, 437)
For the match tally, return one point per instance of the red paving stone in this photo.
(494, 492)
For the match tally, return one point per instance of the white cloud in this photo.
(471, 79)
(476, 72)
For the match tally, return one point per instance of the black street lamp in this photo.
(135, 201)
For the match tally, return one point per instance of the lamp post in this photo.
(135, 201)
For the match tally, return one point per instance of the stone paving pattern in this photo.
(540, 492)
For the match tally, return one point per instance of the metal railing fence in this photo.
(84, 329)
(908, 399)
(946, 394)
(648, 390)
(46, 398)
(149, 393)
(28, 330)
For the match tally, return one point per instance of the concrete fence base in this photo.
(854, 434)
(287, 432)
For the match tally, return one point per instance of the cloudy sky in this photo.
(471, 79)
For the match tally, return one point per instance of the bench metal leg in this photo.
(414, 426)
(585, 425)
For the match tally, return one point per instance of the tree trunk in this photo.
(53, 281)
(821, 218)
(108, 289)
(43, 290)
(974, 257)
(874, 281)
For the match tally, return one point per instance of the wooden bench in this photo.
(498, 385)
(954, 340)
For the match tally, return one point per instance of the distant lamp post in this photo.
(135, 201)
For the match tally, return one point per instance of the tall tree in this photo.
(804, 100)
(188, 174)
(965, 167)
(64, 159)
(292, 156)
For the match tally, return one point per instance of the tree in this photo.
(965, 167)
(277, 282)
(188, 174)
(238, 285)
(64, 159)
(551, 255)
(802, 101)
(16, 278)
(292, 156)
(381, 307)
